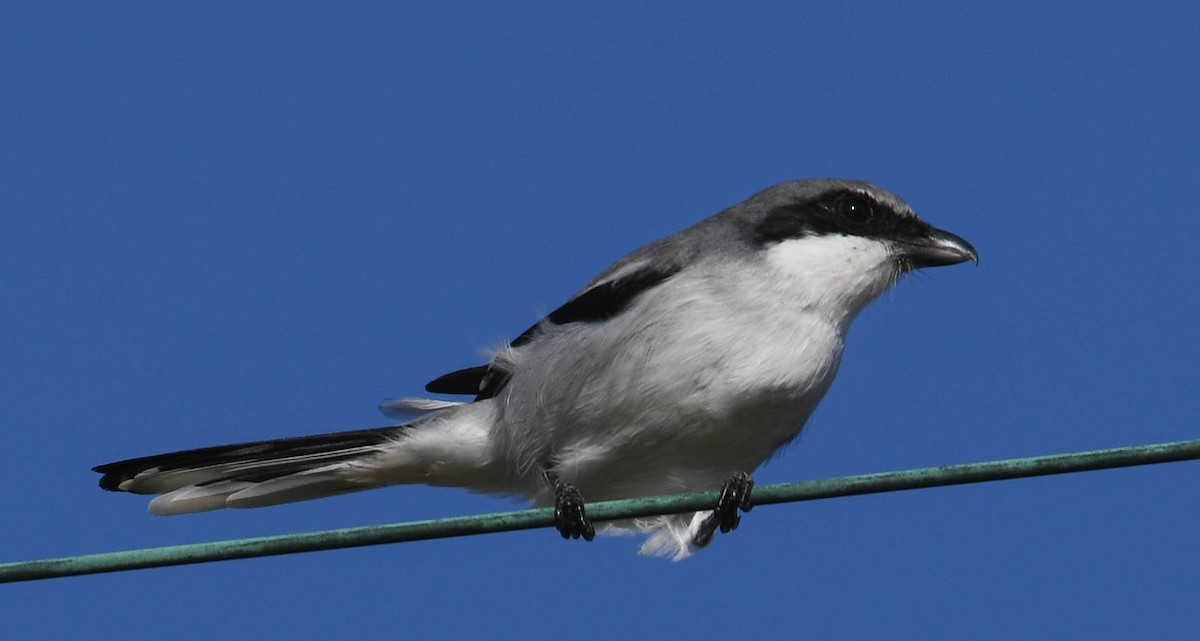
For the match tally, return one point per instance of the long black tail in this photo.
(264, 472)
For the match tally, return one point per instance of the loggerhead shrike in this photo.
(682, 367)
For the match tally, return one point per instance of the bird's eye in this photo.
(856, 208)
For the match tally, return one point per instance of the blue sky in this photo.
(233, 221)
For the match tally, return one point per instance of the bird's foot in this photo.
(569, 515)
(735, 496)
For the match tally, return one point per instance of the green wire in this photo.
(602, 511)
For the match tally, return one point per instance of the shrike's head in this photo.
(832, 242)
(836, 208)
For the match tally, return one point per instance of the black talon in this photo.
(735, 495)
(569, 515)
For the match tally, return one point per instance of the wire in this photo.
(601, 511)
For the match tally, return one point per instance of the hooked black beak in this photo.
(936, 248)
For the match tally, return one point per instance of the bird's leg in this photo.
(569, 515)
(735, 495)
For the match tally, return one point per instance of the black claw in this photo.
(735, 495)
(569, 515)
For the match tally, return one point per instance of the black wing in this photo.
(463, 381)
(598, 303)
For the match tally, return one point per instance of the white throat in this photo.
(838, 275)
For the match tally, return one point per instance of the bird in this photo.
(682, 367)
